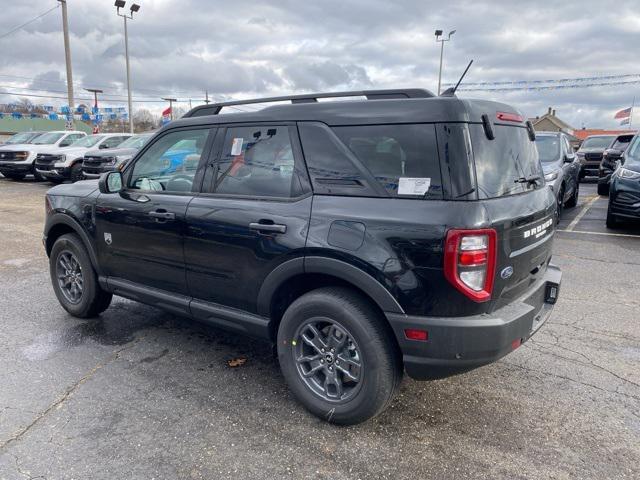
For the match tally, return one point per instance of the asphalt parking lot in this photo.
(142, 394)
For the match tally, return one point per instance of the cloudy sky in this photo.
(247, 48)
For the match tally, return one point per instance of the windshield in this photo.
(597, 142)
(548, 148)
(89, 141)
(48, 138)
(137, 141)
(633, 152)
(622, 143)
(21, 138)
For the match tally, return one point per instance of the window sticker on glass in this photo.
(413, 186)
(236, 146)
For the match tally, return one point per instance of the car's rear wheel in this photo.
(612, 220)
(573, 200)
(603, 189)
(74, 280)
(338, 356)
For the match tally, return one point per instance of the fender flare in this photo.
(64, 219)
(328, 266)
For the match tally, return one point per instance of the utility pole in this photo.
(67, 57)
(170, 100)
(95, 92)
(134, 8)
(206, 97)
(442, 40)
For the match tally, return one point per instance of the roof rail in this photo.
(214, 108)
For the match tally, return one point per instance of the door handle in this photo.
(268, 227)
(163, 215)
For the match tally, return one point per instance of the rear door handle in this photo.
(268, 227)
(163, 215)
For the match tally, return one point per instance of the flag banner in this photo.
(623, 113)
(80, 109)
(86, 117)
(625, 121)
(65, 109)
(166, 116)
(16, 115)
(95, 110)
(53, 116)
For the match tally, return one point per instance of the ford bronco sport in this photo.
(394, 232)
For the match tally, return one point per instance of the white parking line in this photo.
(584, 210)
(601, 233)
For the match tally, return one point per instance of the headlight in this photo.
(22, 155)
(580, 154)
(121, 159)
(111, 160)
(626, 173)
(550, 177)
(63, 158)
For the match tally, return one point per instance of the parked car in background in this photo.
(17, 161)
(60, 164)
(404, 232)
(21, 138)
(96, 162)
(624, 188)
(590, 154)
(561, 167)
(610, 159)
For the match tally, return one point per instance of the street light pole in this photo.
(134, 8)
(67, 57)
(441, 39)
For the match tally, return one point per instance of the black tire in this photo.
(76, 172)
(612, 220)
(55, 181)
(603, 189)
(573, 200)
(560, 202)
(91, 300)
(37, 177)
(14, 176)
(365, 339)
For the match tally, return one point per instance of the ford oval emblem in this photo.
(506, 272)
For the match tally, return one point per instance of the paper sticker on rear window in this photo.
(236, 146)
(413, 186)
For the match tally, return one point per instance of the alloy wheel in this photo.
(328, 359)
(70, 279)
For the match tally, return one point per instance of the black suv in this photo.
(590, 154)
(610, 159)
(396, 232)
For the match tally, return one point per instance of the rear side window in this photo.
(402, 158)
(501, 162)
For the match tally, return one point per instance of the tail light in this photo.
(470, 262)
(509, 117)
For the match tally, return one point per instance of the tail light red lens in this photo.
(470, 262)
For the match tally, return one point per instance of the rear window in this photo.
(402, 158)
(501, 162)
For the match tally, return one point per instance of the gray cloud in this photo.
(238, 49)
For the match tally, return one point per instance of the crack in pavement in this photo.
(114, 356)
(26, 473)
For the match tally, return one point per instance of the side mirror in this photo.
(569, 157)
(110, 182)
(103, 146)
(65, 144)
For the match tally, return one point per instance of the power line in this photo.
(17, 94)
(549, 87)
(30, 21)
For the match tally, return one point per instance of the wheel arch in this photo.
(298, 276)
(60, 224)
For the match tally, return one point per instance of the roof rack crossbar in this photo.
(313, 97)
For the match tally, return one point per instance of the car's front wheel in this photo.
(74, 280)
(573, 200)
(338, 356)
(603, 189)
(76, 172)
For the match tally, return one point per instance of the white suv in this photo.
(17, 161)
(59, 164)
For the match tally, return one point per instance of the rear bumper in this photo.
(459, 344)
